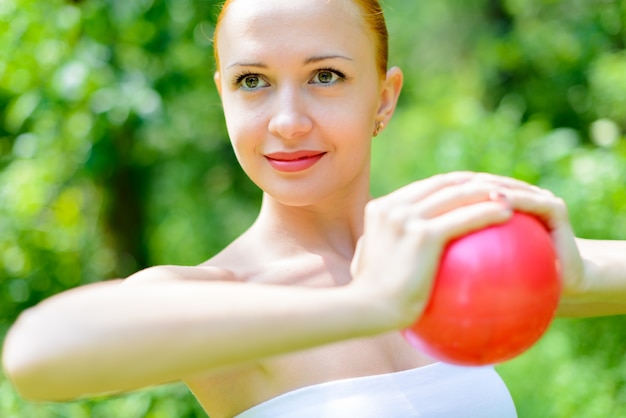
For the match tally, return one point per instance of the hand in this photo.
(406, 231)
(552, 211)
(405, 234)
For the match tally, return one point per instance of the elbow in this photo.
(28, 362)
(26, 383)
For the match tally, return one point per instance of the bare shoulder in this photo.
(172, 273)
(232, 264)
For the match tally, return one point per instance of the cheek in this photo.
(355, 118)
(243, 124)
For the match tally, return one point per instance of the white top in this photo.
(437, 390)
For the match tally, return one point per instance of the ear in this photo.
(217, 78)
(389, 94)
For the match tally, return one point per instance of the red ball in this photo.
(494, 296)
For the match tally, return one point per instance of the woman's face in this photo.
(301, 93)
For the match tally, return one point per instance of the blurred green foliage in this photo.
(114, 155)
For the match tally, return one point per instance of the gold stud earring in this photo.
(379, 127)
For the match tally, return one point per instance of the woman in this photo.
(300, 315)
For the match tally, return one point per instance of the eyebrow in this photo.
(247, 64)
(310, 60)
(313, 60)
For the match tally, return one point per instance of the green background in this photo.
(114, 155)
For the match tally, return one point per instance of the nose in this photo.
(290, 118)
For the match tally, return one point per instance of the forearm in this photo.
(109, 337)
(604, 292)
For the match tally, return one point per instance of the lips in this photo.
(292, 162)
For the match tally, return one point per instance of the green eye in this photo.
(251, 82)
(325, 77)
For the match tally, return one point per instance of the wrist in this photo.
(598, 291)
(375, 313)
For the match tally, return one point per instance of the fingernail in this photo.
(497, 195)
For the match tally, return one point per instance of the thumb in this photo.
(356, 259)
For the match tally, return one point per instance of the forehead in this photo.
(272, 9)
(251, 26)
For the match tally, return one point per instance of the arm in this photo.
(593, 271)
(156, 328)
(604, 284)
(112, 337)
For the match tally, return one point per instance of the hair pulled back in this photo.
(373, 17)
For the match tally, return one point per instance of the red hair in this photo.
(373, 16)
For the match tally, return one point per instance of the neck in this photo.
(335, 225)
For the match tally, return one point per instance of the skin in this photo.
(318, 287)
(293, 111)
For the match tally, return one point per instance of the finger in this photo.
(462, 220)
(452, 197)
(421, 189)
(549, 208)
(508, 182)
(417, 191)
(356, 259)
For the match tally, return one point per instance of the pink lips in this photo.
(292, 162)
